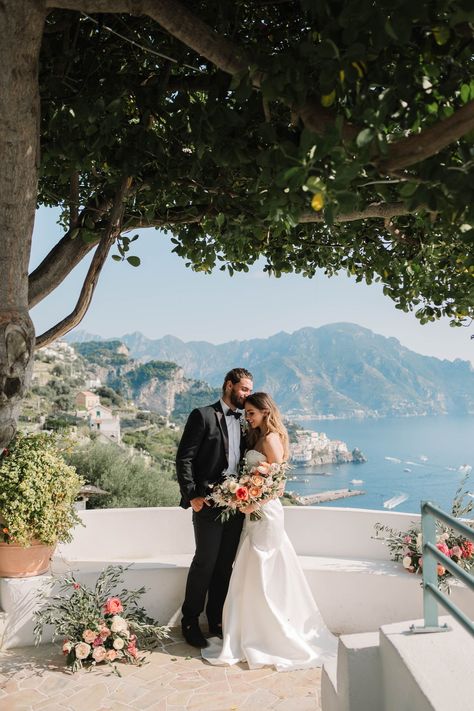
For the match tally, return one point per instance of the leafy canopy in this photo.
(277, 158)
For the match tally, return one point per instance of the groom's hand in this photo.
(198, 503)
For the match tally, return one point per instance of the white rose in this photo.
(118, 643)
(118, 624)
(233, 486)
(82, 650)
(419, 543)
(407, 562)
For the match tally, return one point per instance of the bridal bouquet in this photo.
(254, 485)
(96, 625)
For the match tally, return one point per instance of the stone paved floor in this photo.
(174, 679)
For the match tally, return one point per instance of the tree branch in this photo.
(376, 209)
(430, 141)
(64, 256)
(90, 282)
(74, 200)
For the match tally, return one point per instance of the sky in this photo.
(162, 296)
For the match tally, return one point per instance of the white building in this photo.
(101, 419)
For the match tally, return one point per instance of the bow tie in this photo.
(233, 413)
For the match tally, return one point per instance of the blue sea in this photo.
(432, 448)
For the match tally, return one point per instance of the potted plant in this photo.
(37, 493)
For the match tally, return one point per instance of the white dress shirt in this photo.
(233, 429)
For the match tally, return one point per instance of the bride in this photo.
(269, 617)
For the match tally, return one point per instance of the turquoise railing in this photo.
(431, 556)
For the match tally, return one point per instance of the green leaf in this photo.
(365, 137)
(134, 261)
(116, 258)
(465, 93)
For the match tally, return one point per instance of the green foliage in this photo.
(128, 479)
(37, 491)
(101, 352)
(161, 444)
(108, 396)
(231, 180)
(199, 395)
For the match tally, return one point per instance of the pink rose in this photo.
(242, 493)
(132, 650)
(440, 569)
(99, 654)
(467, 549)
(104, 632)
(406, 539)
(67, 646)
(456, 551)
(89, 636)
(443, 548)
(97, 641)
(113, 606)
(111, 655)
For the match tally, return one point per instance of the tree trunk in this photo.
(21, 29)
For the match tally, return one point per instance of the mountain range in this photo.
(340, 370)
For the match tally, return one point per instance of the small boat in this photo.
(395, 501)
(407, 469)
(356, 481)
(423, 458)
(465, 468)
(393, 459)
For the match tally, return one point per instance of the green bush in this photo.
(37, 491)
(129, 481)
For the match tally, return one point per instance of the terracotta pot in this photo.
(20, 562)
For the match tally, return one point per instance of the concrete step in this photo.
(427, 672)
(329, 699)
(353, 682)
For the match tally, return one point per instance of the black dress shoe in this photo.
(215, 630)
(193, 635)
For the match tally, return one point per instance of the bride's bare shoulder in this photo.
(273, 447)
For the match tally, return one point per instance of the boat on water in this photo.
(393, 459)
(423, 458)
(395, 501)
(356, 481)
(465, 468)
(407, 469)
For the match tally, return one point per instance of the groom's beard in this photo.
(236, 400)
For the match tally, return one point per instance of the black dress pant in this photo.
(216, 546)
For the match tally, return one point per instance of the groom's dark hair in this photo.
(235, 375)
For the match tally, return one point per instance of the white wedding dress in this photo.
(270, 617)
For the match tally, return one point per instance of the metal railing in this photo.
(431, 557)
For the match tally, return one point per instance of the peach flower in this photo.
(82, 650)
(255, 491)
(257, 480)
(89, 636)
(113, 606)
(441, 569)
(99, 654)
(111, 655)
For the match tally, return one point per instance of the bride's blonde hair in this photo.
(273, 421)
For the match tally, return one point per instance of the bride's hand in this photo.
(249, 509)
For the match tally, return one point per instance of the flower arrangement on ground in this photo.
(407, 546)
(98, 626)
(254, 485)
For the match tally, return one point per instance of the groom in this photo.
(211, 446)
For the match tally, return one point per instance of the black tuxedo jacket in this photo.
(203, 452)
